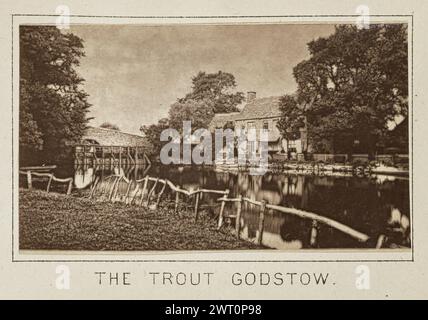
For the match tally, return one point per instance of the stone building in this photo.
(262, 114)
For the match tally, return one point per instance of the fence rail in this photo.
(117, 188)
(51, 178)
(148, 192)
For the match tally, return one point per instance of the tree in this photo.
(108, 125)
(211, 93)
(292, 118)
(53, 108)
(199, 113)
(152, 133)
(353, 85)
(229, 125)
(217, 89)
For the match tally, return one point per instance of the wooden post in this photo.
(146, 181)
(76, 162)
(149, 196)
(116, 188)
(177, 198)
(112, 188)
(97, 179)
(70, 186)
(314, 233)
(220, 216)
(135, 194)
(29, 181)
(112, 156)
(130, 159)
(136, 155)
(380, 241)
(238, 216)
(94, 154)
(49, 183)
(197, 195)
(127, 192)
(160, 195)
(120, 157)
(261, 222)
(103, 157)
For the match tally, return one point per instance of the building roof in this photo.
(260, 108)
(109, 137)
(220, 119)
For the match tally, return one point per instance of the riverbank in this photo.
(52, 221)
(336, 169)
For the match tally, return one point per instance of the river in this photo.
(369, 204)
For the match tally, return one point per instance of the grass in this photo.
(52, 221)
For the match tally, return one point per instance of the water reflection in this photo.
(373, 205)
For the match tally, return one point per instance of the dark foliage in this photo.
(353, 85)
(53, 107)
(111, 126)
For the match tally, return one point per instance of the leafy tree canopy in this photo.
(152, 133)
(199, 113)
(293, 117)
(217, 88)
(108, 125)
(211, 93)
(353, 85)
(53, 107)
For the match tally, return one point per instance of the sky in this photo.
(134, 73)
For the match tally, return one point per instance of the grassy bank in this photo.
(57, 221)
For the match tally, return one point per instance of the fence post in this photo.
(112, 188)
(220, 216)
(29, 181)
(94, 185)
(149, 196)
(146, 181)
(127, 192)
(380, 241)
(49, 183)
(70, 186)
(261, 222)
(197, 195)
(238, 216)
(116, 189)
(314, 233)
(160, 195)
(177, 198)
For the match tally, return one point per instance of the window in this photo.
(251, 147)
(265, 126)
(251, 124)
(292, 146)
(291, 143)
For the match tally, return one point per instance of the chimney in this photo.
(251, 95)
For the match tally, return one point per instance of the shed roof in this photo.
(109, 137)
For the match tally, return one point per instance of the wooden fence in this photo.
(49, 176)
(148, 192)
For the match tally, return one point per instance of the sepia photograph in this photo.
(214, 136)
